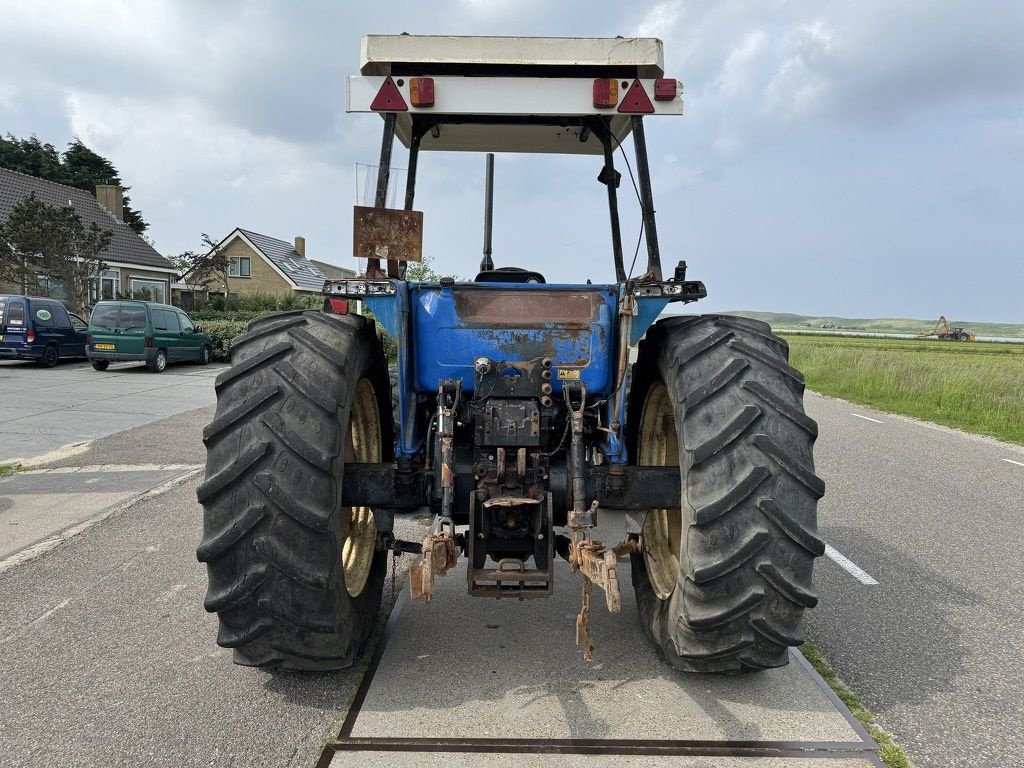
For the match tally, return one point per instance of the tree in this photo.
(46, 249)
(78, 167)
(421, 271)
(200, 268)
(84, 169)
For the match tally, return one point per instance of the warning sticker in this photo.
(568, 374)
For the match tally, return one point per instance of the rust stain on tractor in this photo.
(385, 233)
(511, 308)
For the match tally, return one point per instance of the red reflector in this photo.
(636, 99)
(389, 99)
(421, 91)
(665, 89)
(30, 336)
(88, 338)
(606, 92)
(339, 306)
(149, 342)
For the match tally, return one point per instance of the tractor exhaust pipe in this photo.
(487, 264)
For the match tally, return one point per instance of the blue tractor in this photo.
(516, 410)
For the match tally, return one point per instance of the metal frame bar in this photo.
(605, 135)
(647, 199)
(383, 177)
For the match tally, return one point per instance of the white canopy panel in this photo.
(519, 98)
(388, 54)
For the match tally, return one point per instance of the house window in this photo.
(110, 284)
(239, 266)
(149, 290)
(106, 285)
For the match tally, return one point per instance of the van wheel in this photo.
(50, 356)
(204, 355)
(159, 362)
(101, 365)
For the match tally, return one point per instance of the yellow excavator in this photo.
(943, 331)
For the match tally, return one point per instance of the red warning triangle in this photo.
(389, 99)
(636, 99)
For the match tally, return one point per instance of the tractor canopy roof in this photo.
(512, 94)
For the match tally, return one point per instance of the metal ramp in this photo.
(471, 681)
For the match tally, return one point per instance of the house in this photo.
(334, 272)
(263, 264)
(133, 265)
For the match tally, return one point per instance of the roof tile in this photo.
(126, 246)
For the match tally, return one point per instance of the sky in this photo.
(858, 158)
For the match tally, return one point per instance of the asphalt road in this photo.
(936, 648)
(45, 409)
(107, 657)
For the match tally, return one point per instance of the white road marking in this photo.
(867, 418)
(1018, 463)
(37, 620)
(170, 593)
(104, 468)
(849, 566)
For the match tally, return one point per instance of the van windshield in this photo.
(105, 317)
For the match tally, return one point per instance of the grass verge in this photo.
(9, 469)
(890, 752)
(977, 387)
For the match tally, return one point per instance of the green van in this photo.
(140, 330)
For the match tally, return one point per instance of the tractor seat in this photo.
(509, 275)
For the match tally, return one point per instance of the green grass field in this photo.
(783, 320)
(977, 387)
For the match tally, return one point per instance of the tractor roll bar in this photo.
(599, 126)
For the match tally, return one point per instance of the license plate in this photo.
(104, 346)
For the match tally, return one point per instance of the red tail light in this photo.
(338, 306)
(88, 338)
(30, 336)
(665, 89)
(606, 92)
(149, 342)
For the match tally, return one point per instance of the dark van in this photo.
(34, 328)
(156, 334)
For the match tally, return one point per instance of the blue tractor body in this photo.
(442, 330)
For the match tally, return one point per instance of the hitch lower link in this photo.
(440, 554)
(440, 549)
(597, 564)
(590, 557)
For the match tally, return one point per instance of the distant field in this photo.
(976, 387)
(783, 320)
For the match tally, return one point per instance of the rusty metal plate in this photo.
(512, 307)
(385, 233)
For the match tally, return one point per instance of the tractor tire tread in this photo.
(749, 495)
(273, 532)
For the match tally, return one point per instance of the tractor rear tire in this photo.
(295, 578)
(723, 581)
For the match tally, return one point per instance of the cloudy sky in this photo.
(858, 158)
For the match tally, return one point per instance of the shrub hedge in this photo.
(222, 332)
